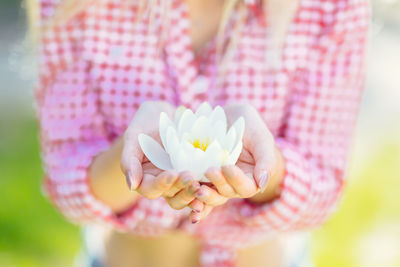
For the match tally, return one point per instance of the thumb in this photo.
(131, 163)
(263, 152)
(134, 174)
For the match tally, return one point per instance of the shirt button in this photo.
(200, 85)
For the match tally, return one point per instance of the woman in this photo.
(108, 68)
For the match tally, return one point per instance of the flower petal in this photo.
(178, 114)
(218, 114)
(212, 157)
(154, 152)
(180, 160)
(234, 155)
(239, 128)
(201, 127)
(186, 137)
(200, 163)
(189, 151)
(219, 132)
(186, 121)
(165, 122)
(229, 140)
(214, 154)
(187, 147)
(204, 109)
(172, 140)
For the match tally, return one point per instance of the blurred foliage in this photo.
(32, 233)
(371, 205)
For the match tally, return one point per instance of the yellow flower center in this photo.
(202, 144)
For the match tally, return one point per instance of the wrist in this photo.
(106, 180)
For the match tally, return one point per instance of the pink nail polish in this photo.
(200, 193)
(195, 221)
(128, 181)
(245, 211)
(264, 181)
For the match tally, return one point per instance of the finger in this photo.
(149, 168)
(263, 169)
(244, 185)
(183, 197)
(184, 179)
(206, 211)
(215, 176)
(245, 156)
(132, 168)
(196, 205)
(154, 186)
(196, 217)
(263, 150)
(131, 159)
(209, 196)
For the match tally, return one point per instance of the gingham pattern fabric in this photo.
(96, 71)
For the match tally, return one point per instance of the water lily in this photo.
(195, 141)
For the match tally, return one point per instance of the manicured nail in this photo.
(264, 181)
(245, 211)
(195, 207)
(129, 181)
(197, 210)
(195, 221)
(200, 192)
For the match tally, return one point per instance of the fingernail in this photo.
(200, 192)
(195, 209)
(195, 221)
(264, 181)
(245, 211)
(129, 181)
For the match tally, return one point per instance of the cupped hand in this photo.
(251, 174)
(141, 175)
(227, 182)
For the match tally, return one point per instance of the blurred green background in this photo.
(364, 232)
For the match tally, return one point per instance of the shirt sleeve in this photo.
(72, 127)
(319, 125)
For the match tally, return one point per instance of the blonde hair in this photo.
(280, 14)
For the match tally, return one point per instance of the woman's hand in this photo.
(260, 166)
(141, 175)
(177, 188)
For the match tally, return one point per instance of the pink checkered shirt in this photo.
(96, 70)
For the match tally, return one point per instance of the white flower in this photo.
(195, 141)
